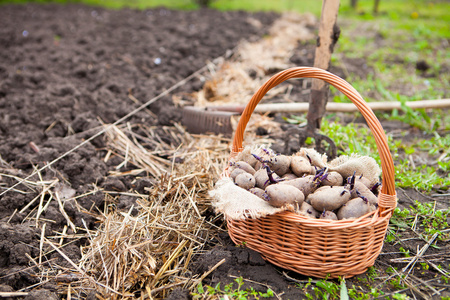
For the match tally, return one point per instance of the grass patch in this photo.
(432, 152)
(230, 292)
(278, 6)
(392, 43)
(434, 173)
(425, 218)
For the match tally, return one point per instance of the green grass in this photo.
(278, 6)
(230, 292)
(434, 174)
(409, 12)
(357, 138)
(392, 42)
(425, 217)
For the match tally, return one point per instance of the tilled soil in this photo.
(66, 69)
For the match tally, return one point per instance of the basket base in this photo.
(311, 250)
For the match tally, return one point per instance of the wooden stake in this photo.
(328, 36)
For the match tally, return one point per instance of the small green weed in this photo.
(414, 117)
(432, 220)
(391, 270)
(398, 296)
(358, 293)
(435, 145)
(423, 215)
(404, 251)
(324, 289)
(422, 177)
(230, 292)
(390, 237)
(445, 279)
(425, 266)
(372, 273)
(397, 282)
(400, 221)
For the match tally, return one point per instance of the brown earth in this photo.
(66, 69)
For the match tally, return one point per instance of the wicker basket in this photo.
(316, 247)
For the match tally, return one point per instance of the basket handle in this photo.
(387, 197)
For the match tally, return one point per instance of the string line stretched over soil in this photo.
(154, 99)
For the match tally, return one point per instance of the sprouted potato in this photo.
(258, 192)
(354, 208)
(279, 164)
(245, 181)
(236, 172)
(301, 166)
(310, 187)
(329, 197)
(308, 211)
(244, 166)
(305, 184)
(261, 178)
(280, 195)
(362, 191)
(333, 178)
(328, 215)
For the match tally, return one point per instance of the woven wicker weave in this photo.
(316, 247)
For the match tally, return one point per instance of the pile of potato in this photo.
(305, 183)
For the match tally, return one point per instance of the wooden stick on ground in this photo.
(350, 107)
(13, 294)
(298, 107)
